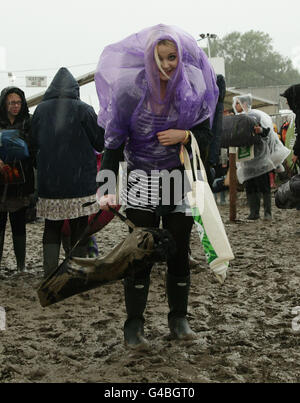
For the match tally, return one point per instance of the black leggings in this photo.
(17, 222)
(52, 230)
(180, 226)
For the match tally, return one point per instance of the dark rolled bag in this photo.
(287, 195)
(238, 131)
(76, 275)
(12, 147)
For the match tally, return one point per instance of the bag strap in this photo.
(122, 218)
(192, 169)
(197, 158)
(114, 211)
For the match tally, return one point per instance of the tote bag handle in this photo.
(192, 169)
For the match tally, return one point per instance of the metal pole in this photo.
(232, 183)
(208, 47)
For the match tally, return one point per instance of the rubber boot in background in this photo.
(19, 243)
(254, 205)
(50, 257)
(267, 199)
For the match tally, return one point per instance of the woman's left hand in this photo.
(171, 137)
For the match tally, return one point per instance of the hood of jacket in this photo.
(63, 85)
(24, 113)
(292, 94)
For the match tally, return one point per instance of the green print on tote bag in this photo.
(207, 216)
(209, 251)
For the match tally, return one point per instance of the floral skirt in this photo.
(64, 209)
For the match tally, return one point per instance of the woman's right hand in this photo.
(106, 201)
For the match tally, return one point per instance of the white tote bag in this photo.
(206, 215)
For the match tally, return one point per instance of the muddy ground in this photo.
(244, 328)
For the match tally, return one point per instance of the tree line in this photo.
(251, 61)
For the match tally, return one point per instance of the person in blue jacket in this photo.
(65, 134)
(16, 197)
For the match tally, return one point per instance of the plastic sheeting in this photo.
(270, 153)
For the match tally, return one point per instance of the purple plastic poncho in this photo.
(131, 109)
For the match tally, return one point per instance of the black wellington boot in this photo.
(50, 257)
(178, 291)
(267, 206)
(136, 294)
(20, 251)
(254, 205)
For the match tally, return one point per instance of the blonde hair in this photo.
(165, 42)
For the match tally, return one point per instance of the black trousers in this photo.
(260, 184)
(52, 230)
(180, 226)
(17, 222)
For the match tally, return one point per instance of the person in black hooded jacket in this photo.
(65, 134)
(292, 95)
(15, 198)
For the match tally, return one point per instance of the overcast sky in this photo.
(42, 36)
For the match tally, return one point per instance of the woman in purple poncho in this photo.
(154, 87)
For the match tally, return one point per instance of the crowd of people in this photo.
(155, 88)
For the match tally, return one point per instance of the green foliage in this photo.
(250, 60)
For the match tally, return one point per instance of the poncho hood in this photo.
(129, 66)
(244, 100)
(128, 86)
